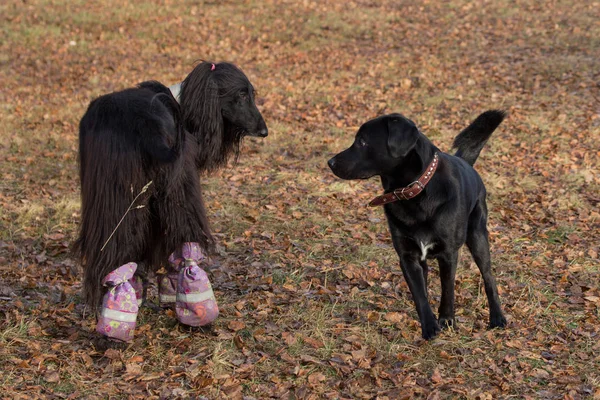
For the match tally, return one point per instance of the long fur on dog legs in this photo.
(114, 168)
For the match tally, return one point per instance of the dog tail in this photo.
(472, 139)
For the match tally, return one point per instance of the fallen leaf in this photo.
(436, 377)
(236, 325)
(133, 369)
(51, 376)
(316, 378)
(394, 317)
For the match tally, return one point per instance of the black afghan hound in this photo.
(140, 155)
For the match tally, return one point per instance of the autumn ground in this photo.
(313, 301)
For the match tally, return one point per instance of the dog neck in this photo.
(175, 90)
(411, 168)
(395, 192)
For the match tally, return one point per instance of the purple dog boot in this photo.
(119, 306)
(196, 304)
(167, 289)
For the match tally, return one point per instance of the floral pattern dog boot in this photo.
(119, 307)
(195, 301)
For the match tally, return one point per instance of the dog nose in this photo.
(263, 132)
(331, 163)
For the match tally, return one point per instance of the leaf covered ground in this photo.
(313, 302)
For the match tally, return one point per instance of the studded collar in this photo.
(410, 191)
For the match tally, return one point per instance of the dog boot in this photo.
(119, 306)
(138, 287)
(167, 289)
(196, 304)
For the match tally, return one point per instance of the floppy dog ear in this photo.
(402, 136)
(201, 112)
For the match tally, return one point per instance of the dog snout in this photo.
(261, 127)
(331, 163)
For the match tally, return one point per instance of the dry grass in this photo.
(313, 301)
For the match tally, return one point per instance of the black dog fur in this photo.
(130, 138)
(450, 212)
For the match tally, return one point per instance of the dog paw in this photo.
(497, 321)
(103, 343)
(446, 322)
(151, 306)
(430, 330)
(206, 329)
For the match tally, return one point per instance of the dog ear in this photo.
(201, 113)
(402, 136)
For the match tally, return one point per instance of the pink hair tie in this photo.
(213, 67)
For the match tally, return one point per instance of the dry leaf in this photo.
(394, 317)
(236, 325)
(51, 377)
(133, 369)
(436, 377)
(316, 378)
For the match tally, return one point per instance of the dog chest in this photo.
(425, 247)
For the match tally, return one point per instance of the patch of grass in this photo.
(322, 69)
(32, 34)
(221, 359)
(559, 235)
(13, 334)
(13, 327)
(31, 215)
(65, 386)
(66, 211)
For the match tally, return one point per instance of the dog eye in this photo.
(362, 142)
(244, 95)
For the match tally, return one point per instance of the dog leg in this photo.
(477, 241)
(415, 277)
(425, 269)
(142, 272)
(181, 213)
(447, 263)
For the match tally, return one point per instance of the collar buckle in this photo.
(410, 191)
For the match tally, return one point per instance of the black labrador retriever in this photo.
(434, 203)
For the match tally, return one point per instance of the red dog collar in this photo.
(410, 191)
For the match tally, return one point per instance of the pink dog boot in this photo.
(196, 304)
(167, 289)
(138, 287)
(119, 306)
